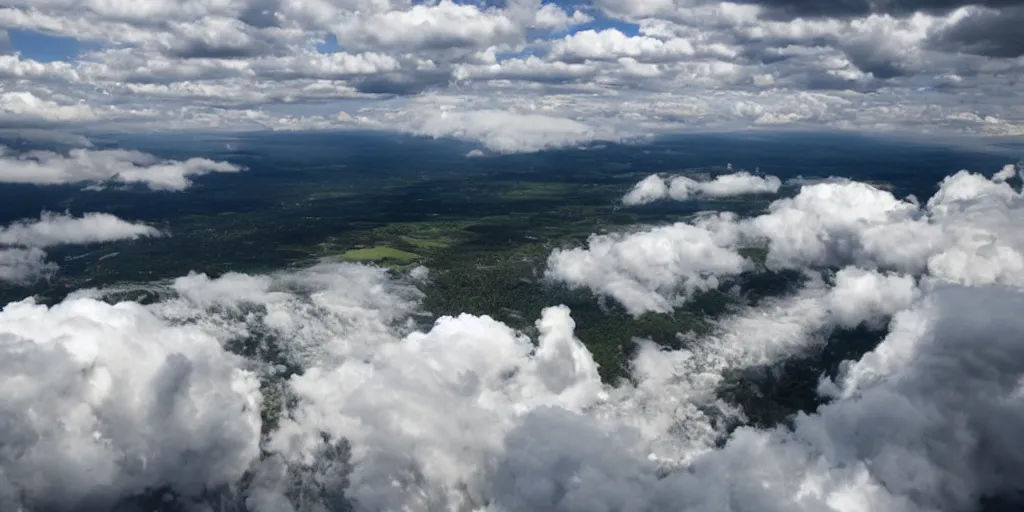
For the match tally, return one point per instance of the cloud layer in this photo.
(603, 69)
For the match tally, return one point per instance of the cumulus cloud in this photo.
(443, 25)
(550, 16)
(964, 234)
(130, 402)
(384, 416)
(681, 188)
(647, 190)
(103, 167)
(56, 229)
(22, 258)
(648, 271)
(887, 444)
(507, 132)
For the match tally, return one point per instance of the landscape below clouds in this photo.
(337, 385)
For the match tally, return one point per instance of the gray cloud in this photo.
(992, 33)
(856, 8)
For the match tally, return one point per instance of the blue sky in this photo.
(42, 47)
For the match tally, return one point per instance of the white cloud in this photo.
(472, 414)
(55, 229)
(552, 17)
(612, 44)
(862, 296)
(736, 184)
(681, 188)
(105, 166)
(965, 234)
(887, 444)
(649, 271)
(444, 25)
(506, 132)
(27, 108)
(647, 190)
(127, 402)
(22, 258)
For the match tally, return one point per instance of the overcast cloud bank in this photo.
(597, 70)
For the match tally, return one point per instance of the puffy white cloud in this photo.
(902, 436)
(528, 69)
(648, 271)
(426, 27)
(965, 234)
(105, 166)
(681, 188)
(473, 415)
(103, 401)
(888, 443)
(506, 132)
(612, 44)
(27, 108)
(862, 296)
(22, 258)
(552, 17)
(478, 370)
(647, 190)
(55, 229)
(736, 184)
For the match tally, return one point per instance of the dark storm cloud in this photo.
(988, 33)
(852, 8)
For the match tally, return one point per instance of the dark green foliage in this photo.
(773, 394)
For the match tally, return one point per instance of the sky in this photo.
(521, 75)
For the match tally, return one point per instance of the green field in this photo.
(378, 254)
